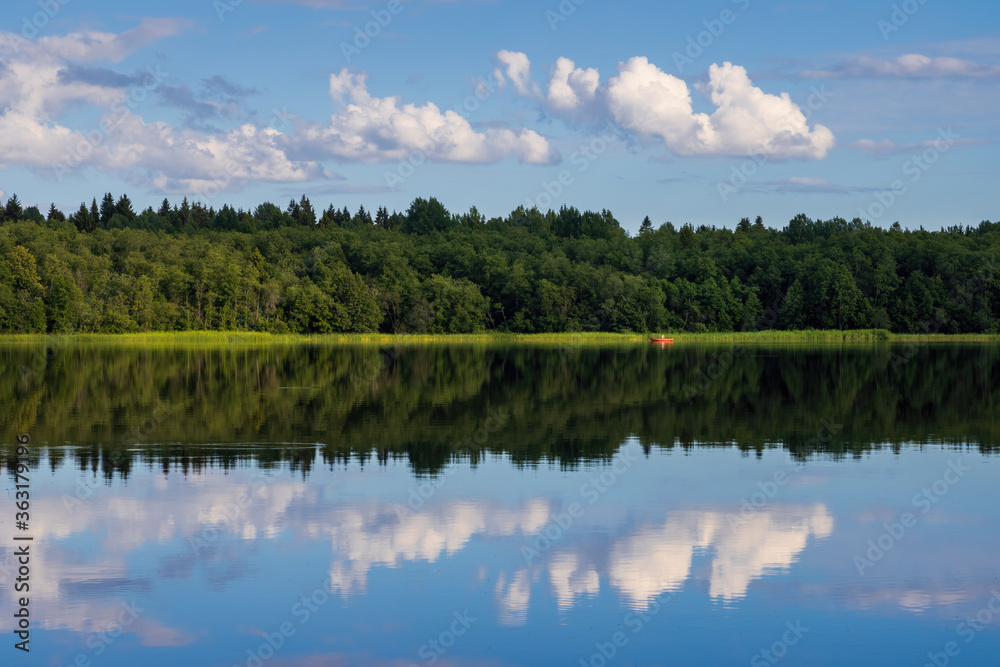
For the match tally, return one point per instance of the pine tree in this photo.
(124, 207)
(95, 215)
(81, 218)
(646, 226)
(363, 217)
(330, 217)
(13, 211)
(294, 211)
(382, 217)
(164, 211)
(307, 215)
(55, 214)
(107, 209)
(199, 215)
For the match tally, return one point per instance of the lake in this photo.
(503, 504)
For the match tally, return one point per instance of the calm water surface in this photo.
(505, 505)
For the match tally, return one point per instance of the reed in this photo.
(249, 338)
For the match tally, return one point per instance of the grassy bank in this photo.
(155, 339)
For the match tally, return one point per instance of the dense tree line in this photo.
(106, 268)
(432, 404)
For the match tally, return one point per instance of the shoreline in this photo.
(680, 338)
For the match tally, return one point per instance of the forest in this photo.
(125, 406)
(105, 268)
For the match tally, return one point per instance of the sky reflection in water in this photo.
(372, 565)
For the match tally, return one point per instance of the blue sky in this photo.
(685, 112)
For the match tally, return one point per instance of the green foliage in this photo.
(426, 216)
(144, 398)
(190, 267)
(12, 209)
(33, 214)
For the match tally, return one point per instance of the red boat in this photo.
(661, 340)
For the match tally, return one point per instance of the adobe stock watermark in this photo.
(769, 489)
(697, 44)
(722, 362)
(636, 621)
(223, 7)
(562, 13)
(365, 374)
(421, 493)
(582, 158)
(485, 87)
(967, 630)
(741, 173)
(591, 490)
(914, 168)
(434, 649)
(87, 486)
(303, 611)
(99, 642)
(363, 35)
(253, 147)
(308, 606)
(231, 512)
(31, 25)
(899, 17)
(161, 412)
(93, 139)
(958, 296)
(923, 501)
(779, 649)
(39, 360)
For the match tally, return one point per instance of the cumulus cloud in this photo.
(378, 129)
(184, 160)
(652, 104)
(910, 65)
(39, 85)
(44, 80)
(572, 90)
(518, 69)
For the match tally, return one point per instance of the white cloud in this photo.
(571, 88)
(748, 119)
(652, 104)
(40, 83)
(43, 80)
(572, 579)
(153, 154)
(92, 45)
(518, 70)
(807, 184)
(513, 599)
(644, 99)
(886, 146)
(374, 129)
(910, 65)
(186, 161)
(880, 146)
(656, 560)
